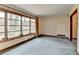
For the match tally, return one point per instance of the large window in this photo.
(25, 25)
(2, 18)
(13, 25)
(33, 26)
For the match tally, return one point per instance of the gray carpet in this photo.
(45, 46)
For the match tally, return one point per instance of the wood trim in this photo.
(51, 36)
(28, 34)
(37, 26)
(47, 35)
(75, 11)
(15, 11)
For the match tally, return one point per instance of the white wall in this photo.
(54, 25)
(47, 22)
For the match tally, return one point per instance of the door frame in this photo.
(75, 11)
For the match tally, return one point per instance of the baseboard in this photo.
(48, 35)
(51, 36)
(77, 53)
(74, 38)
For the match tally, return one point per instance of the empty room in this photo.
(39, 29)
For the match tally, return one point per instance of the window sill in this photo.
(14, 38)
(6, 44)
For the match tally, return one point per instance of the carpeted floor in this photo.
(45, 46)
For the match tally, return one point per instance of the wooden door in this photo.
(74, 26)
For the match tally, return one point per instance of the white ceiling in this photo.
(47, 9)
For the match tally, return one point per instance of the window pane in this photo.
(1, 28)
(33, 26)
(25, 32)
(13, 25)
(13, 21)
(1, 36)
(25, 21)
(33, 23)
(13, 34)
(1, 21)
(13, 28)
(33, 31)
(13, 16)
(1, 14)
(33, 20)
(1, 25)
(25, 25)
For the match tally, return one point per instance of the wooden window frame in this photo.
(16, 12)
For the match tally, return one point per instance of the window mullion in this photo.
(5, 26)
(21, 27)
(30, 25)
